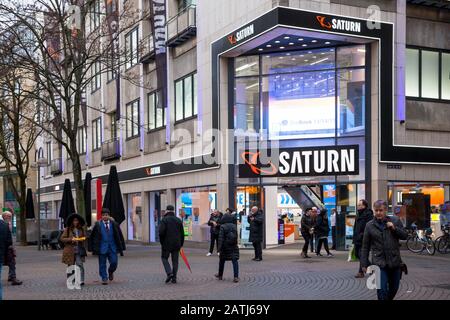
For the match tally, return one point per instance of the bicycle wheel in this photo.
(429, 245)
(414, 244)
(442, 245)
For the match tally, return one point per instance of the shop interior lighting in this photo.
(304, 45)
(318, 61)
(245, 66)
(251, 86)
(300, 39)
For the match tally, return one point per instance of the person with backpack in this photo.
(228, 246)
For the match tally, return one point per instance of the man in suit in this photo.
(5, 243)
(106, 242)
(171, 236)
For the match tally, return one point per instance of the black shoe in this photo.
(105, 282)
(254, 259)
(111, 276)
(174, 279)
(169, 277)
(218, 277)
(236, 280)
(82, 284)
(319, 254)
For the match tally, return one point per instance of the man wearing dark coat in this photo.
(228, 245)
(106, 241)
(214, 224)
(363, 216)
(381, 237)
(306, 224)
(5, 243)
(256, 221)
(171, 237)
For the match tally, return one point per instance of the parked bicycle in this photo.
(420, 240)
(443, 242)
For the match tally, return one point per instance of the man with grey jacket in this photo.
(381, 237)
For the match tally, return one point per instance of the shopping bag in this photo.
(352, 255)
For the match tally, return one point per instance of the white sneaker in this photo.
(208, 254)
(218, 253)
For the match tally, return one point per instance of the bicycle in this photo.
(443, 242)
(418, 241)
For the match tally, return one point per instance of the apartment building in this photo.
(356, 101)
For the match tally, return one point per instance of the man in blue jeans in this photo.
(381, 237)
(5, 243)
(106, 242)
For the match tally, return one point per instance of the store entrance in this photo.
(157, 201)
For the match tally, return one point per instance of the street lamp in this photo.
(39, 161)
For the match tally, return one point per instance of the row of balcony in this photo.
(110, 150)
(179, 29)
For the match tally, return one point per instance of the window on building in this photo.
(95, 15)
(97, 134)
(131, 47)
(113, 126)
(111, 74)
(132, 121)
(96, 76)
(186, 97)
(182, 4)
(427, 74)
(155, 113)
(49, 152)
(81, 140)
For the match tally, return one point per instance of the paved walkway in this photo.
(282, 275)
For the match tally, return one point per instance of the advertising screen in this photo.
(301, 118)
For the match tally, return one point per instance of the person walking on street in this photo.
(5, 243)
(106, 242)
(74, 239)
(381, 237)
(214, 224)
(10, 257)
(228, 246)
(256, 221)
(306, 224)
(322, 229)
(171, 236)
(333, 228)
(364, 215)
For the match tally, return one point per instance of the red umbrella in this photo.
(183, 255)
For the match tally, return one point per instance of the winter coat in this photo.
(214, 229)
(306, 224)
(171, 233)
(95, 238)
(5, 240)
(322, 227)
(228, 251)
(256, 226)
(361, 221)
(383, 243)
(68, 255)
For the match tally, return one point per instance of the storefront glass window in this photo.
(135, 217)
(351, 56)
(445, 76)
(351, 103)
(412, 72)
(194, 207)
(246, 66)
(316, 59)
(246, 113)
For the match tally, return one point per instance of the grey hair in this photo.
(380, 203)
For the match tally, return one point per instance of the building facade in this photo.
(349, 103)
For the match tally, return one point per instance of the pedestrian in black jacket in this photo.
(5, 243)
(322, 229)
(363, 216)
(256, 221)
(214, 224)
(228, 246)
(306, 224)
(381, 237)
(171, 236)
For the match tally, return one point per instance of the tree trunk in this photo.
(78, 181)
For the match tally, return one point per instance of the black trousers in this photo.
(358, 248)
(307, 238)
(235, 267)
(325, 244)
(258, 249)
(165, 260)
(214, 239)
(333, 237)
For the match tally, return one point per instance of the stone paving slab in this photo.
(281, 275)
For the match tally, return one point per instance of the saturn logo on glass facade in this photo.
(339, 24)
(315, 161)
(241, 34)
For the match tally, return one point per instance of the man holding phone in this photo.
(381, 236)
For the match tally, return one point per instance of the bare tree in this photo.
(62, 45)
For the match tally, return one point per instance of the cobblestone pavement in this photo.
(281, 275)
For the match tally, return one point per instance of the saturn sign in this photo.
(315, 161)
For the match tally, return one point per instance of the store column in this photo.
(271, 217)
(146, 216)
(447, 193)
